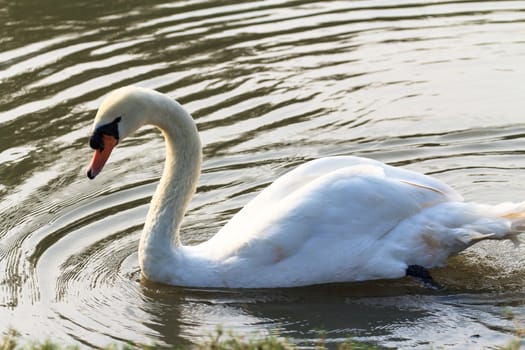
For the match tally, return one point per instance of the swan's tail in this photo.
(502, 221)
(515, 214)
(448, 228)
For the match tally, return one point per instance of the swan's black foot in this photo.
(422, 275)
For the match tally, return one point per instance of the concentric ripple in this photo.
(433, 86)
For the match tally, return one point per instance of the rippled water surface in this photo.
(433, 86)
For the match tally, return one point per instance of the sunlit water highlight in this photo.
(434, 86)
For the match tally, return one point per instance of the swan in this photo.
(334, 219)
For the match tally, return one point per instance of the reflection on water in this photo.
(435, 87)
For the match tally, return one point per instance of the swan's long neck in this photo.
(160, 239)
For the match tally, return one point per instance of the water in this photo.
(434, 86)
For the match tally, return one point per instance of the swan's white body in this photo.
(334, 219)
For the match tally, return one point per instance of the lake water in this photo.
(433, 86)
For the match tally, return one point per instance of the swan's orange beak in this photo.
(101, 156)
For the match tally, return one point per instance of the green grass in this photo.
(519, 333)
(222, 340)
(219, 341)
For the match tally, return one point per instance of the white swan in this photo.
(330, 220)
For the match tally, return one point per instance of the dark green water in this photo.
(433, 86)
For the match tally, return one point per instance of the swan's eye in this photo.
(96, 141)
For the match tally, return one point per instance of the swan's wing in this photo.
(315, 169)
(344, 200)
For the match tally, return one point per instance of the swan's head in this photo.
(121, 113)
